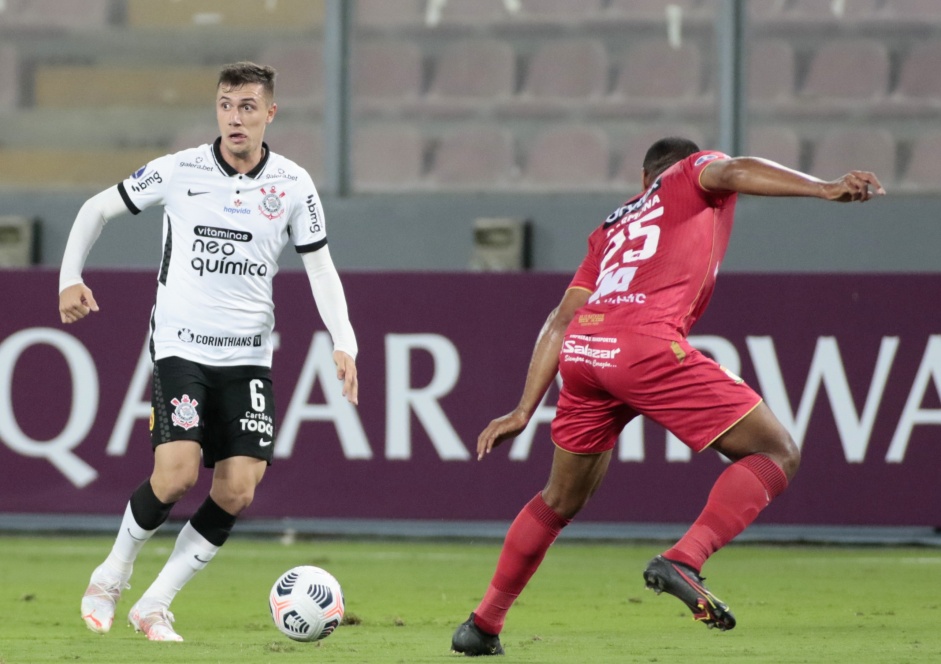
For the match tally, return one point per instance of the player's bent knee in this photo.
(784, 451)
(169, 487)
(564, 504)
(234, 501)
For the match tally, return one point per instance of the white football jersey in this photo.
(222, 235)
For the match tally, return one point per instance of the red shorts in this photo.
(608, 381)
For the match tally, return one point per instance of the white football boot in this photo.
(101, 596)
(156, 622)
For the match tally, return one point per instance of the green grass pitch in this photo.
(404, 598)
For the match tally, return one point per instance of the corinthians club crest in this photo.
(185, 414)
(271, 205)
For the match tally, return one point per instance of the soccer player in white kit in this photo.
(229, 210)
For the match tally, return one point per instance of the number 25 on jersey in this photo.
(614, 277)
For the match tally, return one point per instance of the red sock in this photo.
(529, 537)
(741, 492)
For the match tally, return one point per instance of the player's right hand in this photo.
(503, 428)
(854, 186)
(76, 302)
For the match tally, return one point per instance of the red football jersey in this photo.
(652, 265)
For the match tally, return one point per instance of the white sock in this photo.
(190, 554)
(130, 540)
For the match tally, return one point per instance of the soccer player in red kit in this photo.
(618, 337)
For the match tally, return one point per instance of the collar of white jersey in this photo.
(227, 168)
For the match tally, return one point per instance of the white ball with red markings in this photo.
(306, 603)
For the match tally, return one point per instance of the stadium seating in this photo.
(842, 150)
(569, 12)
(198, 134)
(387, 157)
(777, 143)
(478, 68)
(475, 157)
(772, 74)
(634, 147)
(924, 167)
(644, 15)
(845, 76)
(66, 86)
(299, 142)
(465, 13)
(385, 75)
(53, 15)
(656, 79)
(918, 90)
(389, 14)
(921, 11)
(817, 12)
(300, 81)
(9, 77)
(70, 168)
(470, 76)
(561, 74)
(568, 157)
(290, 15)
(802, 14)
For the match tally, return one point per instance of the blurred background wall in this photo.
(536, 110)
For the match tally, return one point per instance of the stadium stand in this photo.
(924, 167)
(772, 74)
(389, 14)
(9, 77)
(644, 9)
(569, 12)
(473, 157)
(300, 82)
(67, 86)
(70, 168)
(814, 12)
(566, 157)
(53, 15)
(631, 149)
(655, 79)
(387, 157)
(780, 144)
(912, 10)
(470, 76)
(918, 90)
(472, 13)
(840, 150)
(386, 75)
(290, 15)
(561, 74)
(617, 68)
(300, 142)
(845, 76)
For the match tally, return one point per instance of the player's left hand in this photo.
(854, 186)
(502, 428)
(346, 371)
(76, 302)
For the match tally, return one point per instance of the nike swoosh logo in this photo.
(196, 556)
(190, 192)
(264, 443)
(139, 539)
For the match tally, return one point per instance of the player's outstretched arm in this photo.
(762, 177)
(76, 302)
(542, 370)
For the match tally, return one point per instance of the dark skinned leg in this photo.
(572, 481)
(765, 458)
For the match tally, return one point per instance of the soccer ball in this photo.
(306, 603)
